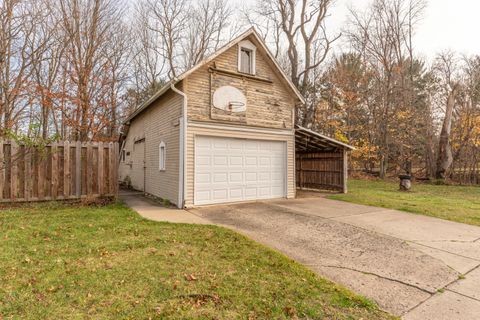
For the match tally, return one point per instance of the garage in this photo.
(234, 170)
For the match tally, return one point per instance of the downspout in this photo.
(183, 149)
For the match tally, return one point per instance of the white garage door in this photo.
(231, 170)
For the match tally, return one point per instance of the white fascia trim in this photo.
(281, 132)
(182, 174)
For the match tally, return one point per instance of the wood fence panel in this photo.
(320, 171)
(62, 170)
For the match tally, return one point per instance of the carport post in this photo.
(345, 170)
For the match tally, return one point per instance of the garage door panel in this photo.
(220, 194)
(264, 176)
(220, 144)
(251, 177)
(236, 177)
(250, 193)
(220, 177)
(264, 192)
(220, 160)
(264, 161)
(202, 160)
(202, 196)
(235, 144)
(251, 161)
(229, 170)
(236, 193)
(236, 161)
(203, 178)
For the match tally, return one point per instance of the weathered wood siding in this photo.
(160, 122)
(237, 133)
(60, 171)
(270, 103)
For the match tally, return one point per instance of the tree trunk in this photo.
(445, 157)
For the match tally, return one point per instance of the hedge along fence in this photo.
(58, 171)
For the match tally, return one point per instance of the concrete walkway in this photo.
(417, 267)
(152, 210)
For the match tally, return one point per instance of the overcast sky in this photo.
(448, 24)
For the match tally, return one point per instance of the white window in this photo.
(162, 157)
(123, 155)
(246, 57)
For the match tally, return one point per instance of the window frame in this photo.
(162, 156)
(250, 47)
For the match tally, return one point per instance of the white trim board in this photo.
(280, 132)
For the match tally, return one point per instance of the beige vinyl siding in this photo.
(160, 122)
(193, 131)
(132, 168)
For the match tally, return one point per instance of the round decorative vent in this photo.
(230, 99)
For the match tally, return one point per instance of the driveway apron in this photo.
(413, 266)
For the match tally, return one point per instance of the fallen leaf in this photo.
(190, 277)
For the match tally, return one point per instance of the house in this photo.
(223, 131)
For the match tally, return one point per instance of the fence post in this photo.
(78, 167)
(345, 171)
(41, 173)
(66, 170)
(100, 176)
(13, 170)
(27, 193)
(54, 151)
(2, 169)
(89, 169)
(115, 168)
(111, 162)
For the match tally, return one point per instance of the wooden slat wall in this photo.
(56, 172)
(321, 171)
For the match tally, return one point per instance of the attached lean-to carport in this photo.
(321, 162)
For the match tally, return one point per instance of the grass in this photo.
(455, 203)
(59, 262)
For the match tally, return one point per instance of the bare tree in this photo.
(167, 19)
(90, 26)
(19, 48)
(209, 21)
(301, 27)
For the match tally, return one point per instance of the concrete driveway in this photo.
(413, 266)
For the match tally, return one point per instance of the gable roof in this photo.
(249, 32)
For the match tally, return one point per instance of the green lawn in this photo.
(456, 203)
(59, 262)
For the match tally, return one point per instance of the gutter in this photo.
(183, 148)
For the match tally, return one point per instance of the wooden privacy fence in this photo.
(60, 171)
(322, 171)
